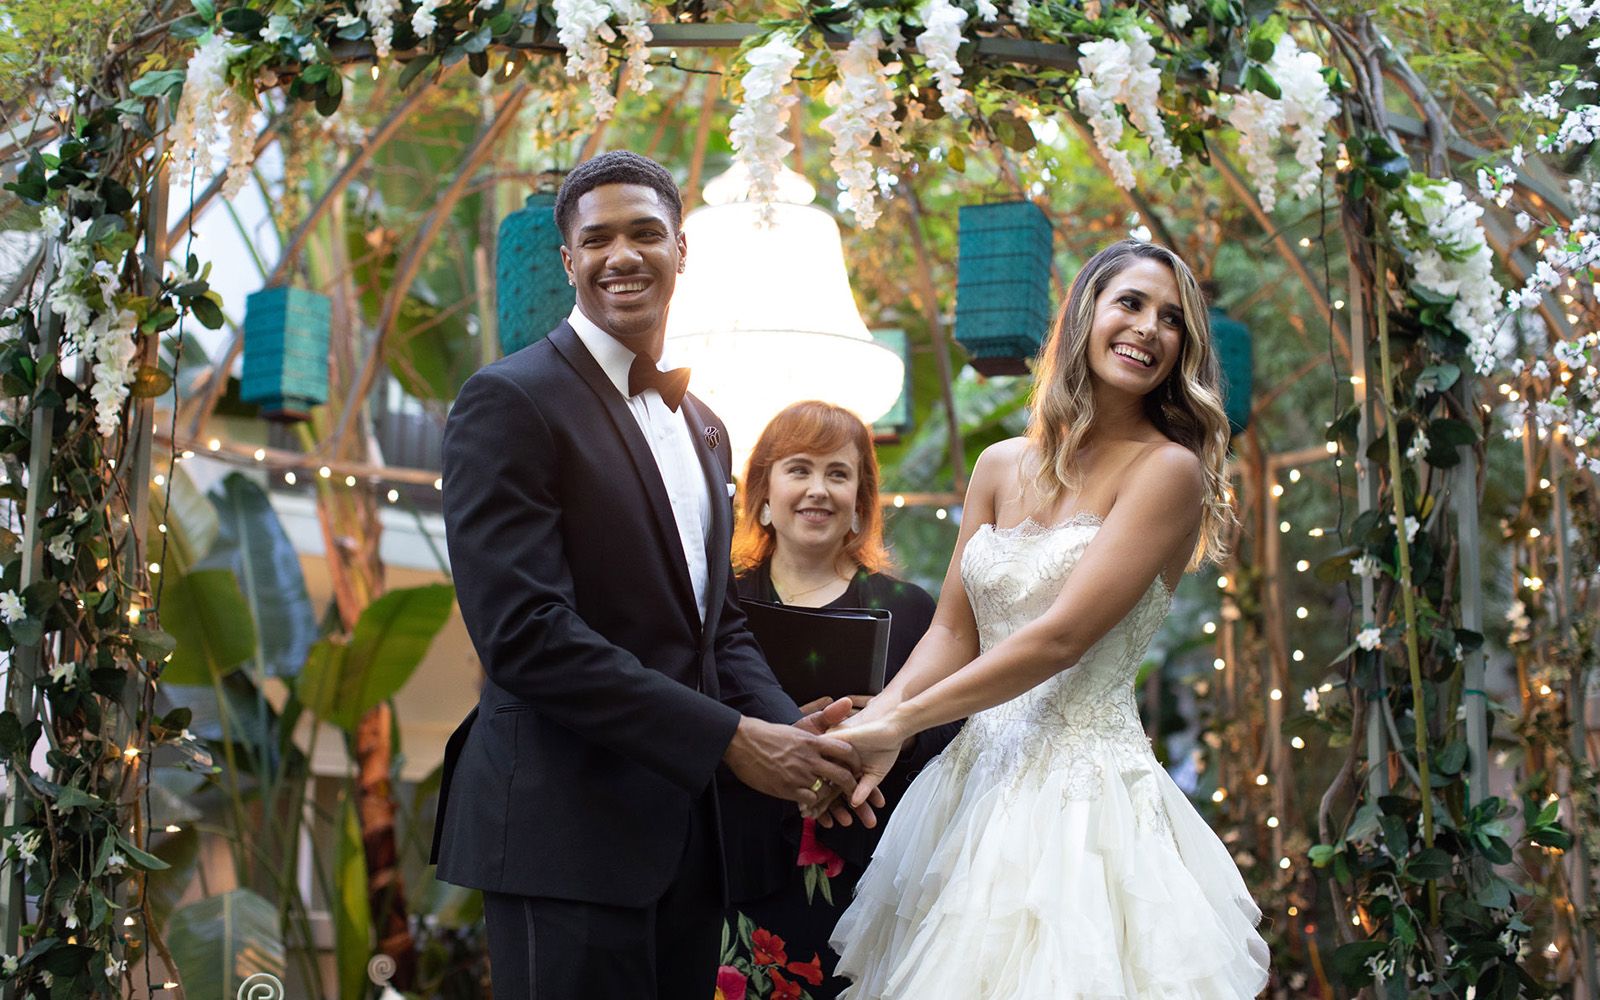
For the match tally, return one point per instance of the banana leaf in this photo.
(220, 942)
(343, 680)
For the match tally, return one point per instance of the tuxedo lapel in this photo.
(707, 440)
(565, 340)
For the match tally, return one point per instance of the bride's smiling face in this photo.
(1136, 336)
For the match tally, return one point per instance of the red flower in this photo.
(810, 971)
(730, 984)
(782, 989)
(768, 947)
(814, 852)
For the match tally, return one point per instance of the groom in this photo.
(587, 506)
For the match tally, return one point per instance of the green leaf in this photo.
(342, 681)
(252, 545)
(206, 9)
(414, 69)
(957, 158)
(157, 84)
(189, 26)
(219, 942)
(243, 20)
(352, 916)
(207, 312)
(208, 616)
(1349, 962)
(1552, 836)
(191, 525)
(153, 644)
(76, 798)
(1452, 758)
(138, 857)
(1258, 79)
(1430, 864)
(1438, 378)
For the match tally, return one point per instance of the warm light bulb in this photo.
(1303, 565)
(288, 477)
(1298, 743)
(1261, 780)
(899, 501)
(1209, 628)
(214, 444)
(325, 472)
(1219, 664)
(1222, 583)
(260, 454)
(1297, 655)
(1285, 527)
(1302, 613)
(1277, 489)
(941, 513)
(349, 480)
(394, 496)
(1219, 795)
(1276, 695)
(1294, 475)
(1333, 447)
(438, 484)
(1285, 863)
(1272, 822)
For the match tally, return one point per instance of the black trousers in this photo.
(561, 949)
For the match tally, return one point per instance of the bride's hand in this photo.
(878, 741)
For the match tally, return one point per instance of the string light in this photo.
(1294, 475)
(1333, 447)
(1219, 664)
(1298, 655)
(1533, 583)
(1222, 583)
(899, 500)
(1302, 612)
(1294, 911)
(134, 614)
(159, 480)
(1276, 695)
(1285, 863)
(1544, 484)
(1316, 532)
(1219, 795)
(174, 828)
(1305, 241)
(1272, 822)
(288, 477)
(214, 444)
(1261, 780)
(1325, 687)
(374, 71)
(260, 454)
(394, 496)
(349, 480)
(1303, 565)
(1277, 489)
(187, 454)
(155, 567)
(1338, 303)
(1284, 527)
(1544, 689)
(1533, 532)
(128, 921)
(1209, 628)
(131, 753)
(325, 472)
(438, 484)
(1298, 743)
(941, 513)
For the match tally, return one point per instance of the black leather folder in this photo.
(814, 652)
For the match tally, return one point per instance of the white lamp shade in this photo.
(765, 317)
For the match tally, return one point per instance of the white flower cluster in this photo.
(1303, 113)
(1370, 638)
(756, 131)
(423, 21)
(1436, 225)
(584, 29)
(380, 21)
(12, 610)
(863, 103)
(83, 295)
(207, 109)
(938, 43)
(1121, 73)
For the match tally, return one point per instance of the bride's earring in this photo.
(766, 515)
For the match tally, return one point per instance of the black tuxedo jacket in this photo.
(606, 705)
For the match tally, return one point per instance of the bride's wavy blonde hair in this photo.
(1187, 407)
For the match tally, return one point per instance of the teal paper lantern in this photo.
(897, 420)
(1232, 341)
(285, 352)
(1003, 285)
(531, 283)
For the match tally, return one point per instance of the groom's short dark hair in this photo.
(617, 167)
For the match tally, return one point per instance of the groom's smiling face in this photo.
(624, 254)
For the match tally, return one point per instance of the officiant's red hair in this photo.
(815, 428)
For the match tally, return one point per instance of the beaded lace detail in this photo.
(1084, 718)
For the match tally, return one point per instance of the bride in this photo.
(1046, 855)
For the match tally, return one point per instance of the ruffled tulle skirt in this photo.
(991, 884)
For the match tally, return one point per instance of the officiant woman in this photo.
(810, 534)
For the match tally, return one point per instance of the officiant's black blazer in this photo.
(606, 706)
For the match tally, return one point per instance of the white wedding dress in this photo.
(1046, 854)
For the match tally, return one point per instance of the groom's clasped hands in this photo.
(806, 763)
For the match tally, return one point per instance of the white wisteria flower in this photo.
(114, 967)
(210, 110)
(380, 20)
(1301, 113)
(1441, 239)
(1121, 73)
(1178, 14)
(583, 27)
(9, 965)
(1418, 446)
(1019, 12)
(51, 219)
(116, 862)
(756, 131)
(1370, 638)
(11, 608)
(64, 674)
(1311, 699)
(863, 102)
(423, 21)
(938, 43)
(987, 11)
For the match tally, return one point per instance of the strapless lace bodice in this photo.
(1045, 855)
(1085, 715)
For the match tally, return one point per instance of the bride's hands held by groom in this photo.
(878, 735)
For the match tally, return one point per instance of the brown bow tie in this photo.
(643, 374)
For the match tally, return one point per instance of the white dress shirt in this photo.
(671, 443)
